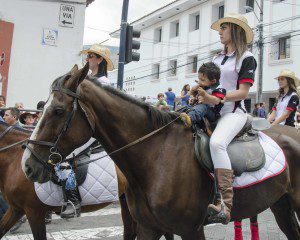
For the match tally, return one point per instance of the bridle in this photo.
(54, 151)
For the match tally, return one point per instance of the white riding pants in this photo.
(229, 125)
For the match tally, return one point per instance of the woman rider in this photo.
(238, 67)
(98, 57)
(284, 110)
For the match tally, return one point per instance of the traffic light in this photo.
(131, 45)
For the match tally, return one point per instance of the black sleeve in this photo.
(219, 92)
(293, 103)
(247, 71)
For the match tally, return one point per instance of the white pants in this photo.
(229, 125)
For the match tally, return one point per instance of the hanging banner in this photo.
(6, 36)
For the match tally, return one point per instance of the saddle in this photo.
(245, 151)
(84, 156)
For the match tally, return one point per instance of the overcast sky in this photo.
(104, 16)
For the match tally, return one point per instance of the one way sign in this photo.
(66, 15)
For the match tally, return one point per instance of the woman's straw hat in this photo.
(103, 52)
(289, 74)
(237, 19)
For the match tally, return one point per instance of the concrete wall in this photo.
(34, 66)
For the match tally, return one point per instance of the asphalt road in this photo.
(106, 224)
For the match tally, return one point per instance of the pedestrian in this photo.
(11, 116)
(170, 98)
(98, 57)
(185, 95)
(238, 67)
(261, 112)
(40, 106)
(255, 110)
(284, 110)
(2, 105)
(161, 104)
(19, 105)
(28, 120)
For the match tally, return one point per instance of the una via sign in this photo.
(66, 15)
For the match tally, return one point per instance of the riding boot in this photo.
(220, 212)
(72, 202)
(238, 232)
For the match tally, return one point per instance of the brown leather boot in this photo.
(220, 213)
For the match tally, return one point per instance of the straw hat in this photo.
(25, 114)
(103, 52)
(237, 19)
(289, 74)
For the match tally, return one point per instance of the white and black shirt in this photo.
(287, 102)
(234, 73)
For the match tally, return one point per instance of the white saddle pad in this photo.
(275, 164)
(100, 186)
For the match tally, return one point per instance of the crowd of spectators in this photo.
(17, 116)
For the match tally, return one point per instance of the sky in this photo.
(104, 16)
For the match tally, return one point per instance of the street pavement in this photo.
(106, 224)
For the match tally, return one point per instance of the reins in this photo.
(11, 145)
(130, 144)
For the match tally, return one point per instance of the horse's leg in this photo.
(128, 222)
(286, 218)
(37, 224)
(10, 218)
(169, 236)
(144, 233)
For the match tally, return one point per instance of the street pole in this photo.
(122, 44)
(261, 52)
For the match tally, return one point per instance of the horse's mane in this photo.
(157, 117)
(19, 129)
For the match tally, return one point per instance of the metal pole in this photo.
(122, 44)
(261, 53)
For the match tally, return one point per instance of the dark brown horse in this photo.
(20, 194)
(167, 189)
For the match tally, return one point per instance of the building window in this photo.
(156, 70)
(194, 22)
(221, 11)
(172, 68)
(192, 64)
(218, 11)
(280, 48)
(174, 29)
(158, 35)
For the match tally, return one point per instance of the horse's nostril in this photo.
(28, 170)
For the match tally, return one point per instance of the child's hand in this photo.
(201, 92)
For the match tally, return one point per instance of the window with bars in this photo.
(194, 22)
(173, 68)
(158, 35)
(174, 29)
(280, 48)
(156, 71)
(221, 11)
(218, 11)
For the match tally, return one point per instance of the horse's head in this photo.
(64, 118)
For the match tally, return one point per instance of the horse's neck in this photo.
(119, 123)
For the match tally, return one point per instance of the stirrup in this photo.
(76, 214)
(217, 217)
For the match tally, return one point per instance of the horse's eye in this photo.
(58, 112)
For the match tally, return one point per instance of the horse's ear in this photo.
(74, 70)
(77, 76)
(83, 73)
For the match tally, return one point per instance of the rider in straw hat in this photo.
(98, 57)
(237, 67)
(99, 60)
(285, 108)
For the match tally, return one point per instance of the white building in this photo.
(39, 41)
(176, 39)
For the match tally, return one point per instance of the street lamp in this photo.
(260, 45)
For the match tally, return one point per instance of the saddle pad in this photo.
(100, 186)
(275, 164)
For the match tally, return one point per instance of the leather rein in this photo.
(13, 144)
(54, 152)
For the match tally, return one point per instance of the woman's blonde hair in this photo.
(239, 39)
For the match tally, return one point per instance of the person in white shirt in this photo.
(285, 108)
(98, 57)
(237, 67)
